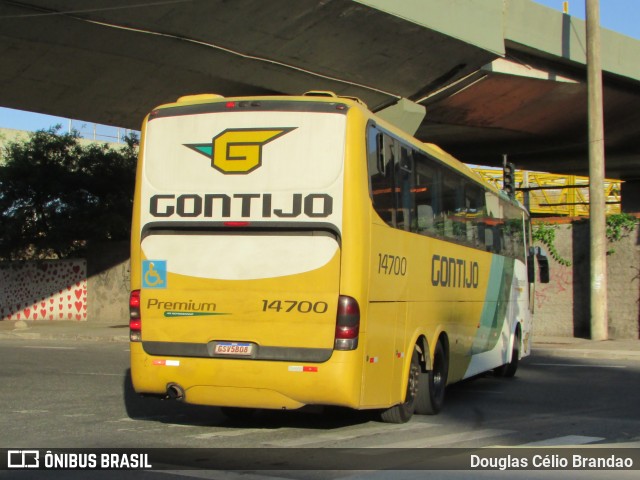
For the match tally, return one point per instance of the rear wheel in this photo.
(402, 412)
(508, 370)
(430, 395)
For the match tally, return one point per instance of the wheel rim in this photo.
(438, 377)
(414, 376)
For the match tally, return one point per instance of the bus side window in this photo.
(405, 191)
(381, 162)
(451, 225)
(372, 154)
(424, 180)
(474, 211)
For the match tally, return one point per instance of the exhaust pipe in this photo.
(175, 392)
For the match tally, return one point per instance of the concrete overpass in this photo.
(496, 76)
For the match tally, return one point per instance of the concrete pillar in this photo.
(597, 207)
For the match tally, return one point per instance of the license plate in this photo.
(233, 348)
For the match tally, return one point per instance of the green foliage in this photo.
(619, 225)
(57, 194)
(545, 233)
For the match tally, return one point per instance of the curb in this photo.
(26, 334)
(586, 353)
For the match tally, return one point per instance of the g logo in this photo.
(238, 150)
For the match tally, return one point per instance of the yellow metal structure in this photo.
(555, 195)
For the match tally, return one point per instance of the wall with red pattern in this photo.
(44, 290)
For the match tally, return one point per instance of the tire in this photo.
(508, 370)
(403, 412)
(432, 385)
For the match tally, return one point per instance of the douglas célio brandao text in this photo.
(551, 461)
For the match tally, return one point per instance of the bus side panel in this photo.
(382, 367)
(494, 343)
(476, 298)
(431, 319)
(445, 289)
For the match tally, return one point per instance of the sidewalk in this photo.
(66, 330)
(628, 349)
(119, 332)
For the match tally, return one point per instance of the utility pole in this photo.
(597, 205)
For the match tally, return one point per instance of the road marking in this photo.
(30, 412)
(452, 438)
(576, 365)
(564, 441)
(350, 434)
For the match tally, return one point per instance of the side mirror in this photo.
(531, 268)
(543, 264)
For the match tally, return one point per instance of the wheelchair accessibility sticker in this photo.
(154, 274)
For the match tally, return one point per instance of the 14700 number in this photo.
(392, 264)
(288, 306)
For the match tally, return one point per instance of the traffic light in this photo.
(509, 179)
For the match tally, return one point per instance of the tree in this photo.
(56, 195)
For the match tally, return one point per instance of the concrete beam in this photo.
(535, 27)
(477, 22)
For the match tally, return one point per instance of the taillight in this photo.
(347, 324)
(135, 322)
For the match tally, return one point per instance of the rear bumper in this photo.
(251, 383)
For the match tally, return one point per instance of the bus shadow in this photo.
(154, 409)
(556, 395)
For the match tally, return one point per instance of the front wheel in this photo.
(432, 384)
(402, 412)
(508, 370)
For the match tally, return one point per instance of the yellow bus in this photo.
(292, 251)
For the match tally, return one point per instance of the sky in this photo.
(622, 16)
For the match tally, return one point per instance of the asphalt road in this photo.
(73, 394)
